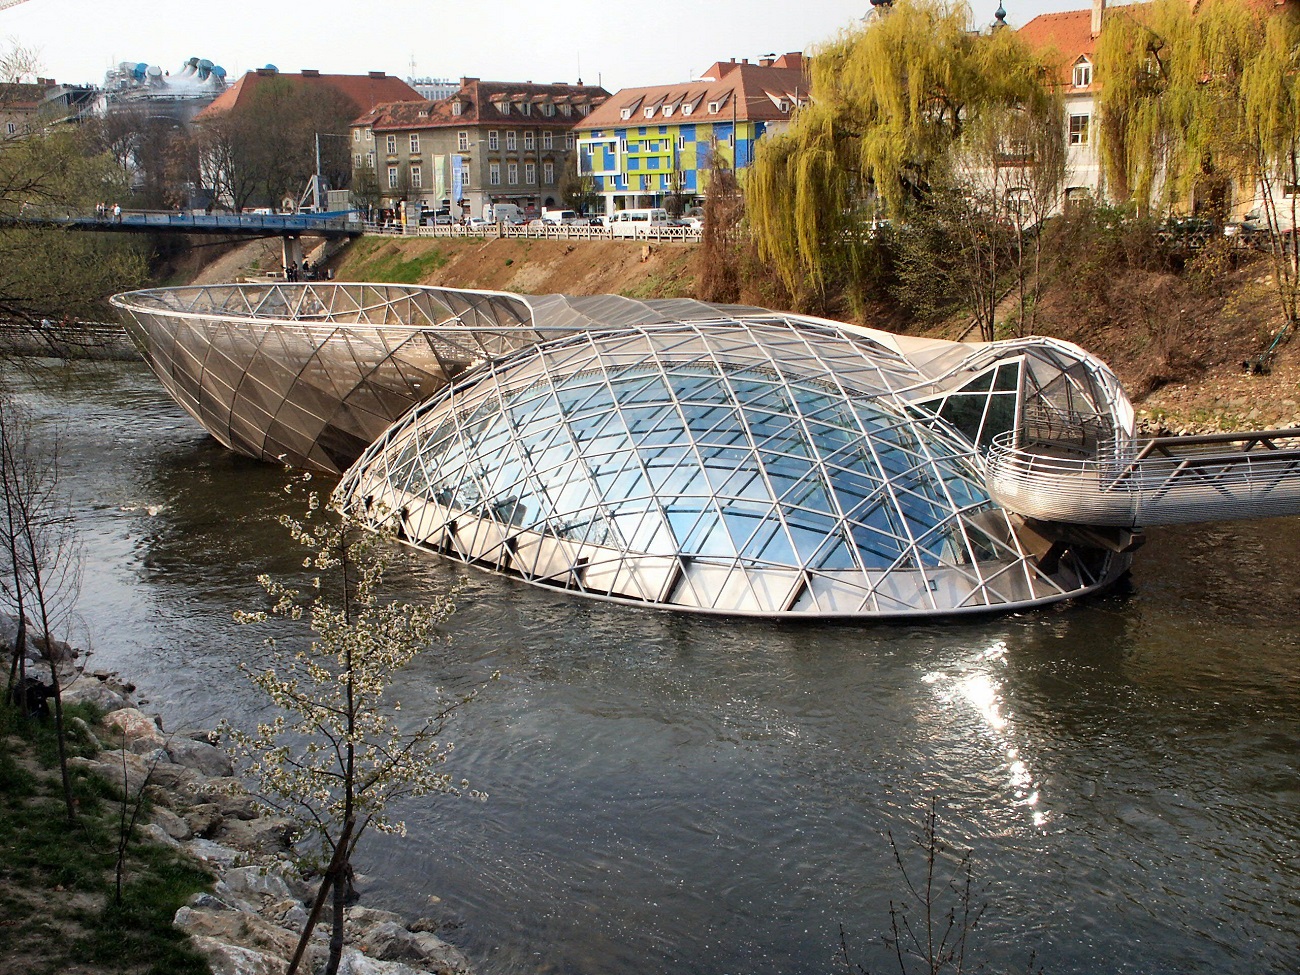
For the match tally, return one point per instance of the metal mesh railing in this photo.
(1167, 480)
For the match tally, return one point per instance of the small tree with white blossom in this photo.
(335, 756)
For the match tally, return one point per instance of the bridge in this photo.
(1160, 481)
(290, 227)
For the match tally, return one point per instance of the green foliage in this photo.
(889, 102)
(381, 260)
(47, 862)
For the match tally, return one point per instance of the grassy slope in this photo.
(57, 881)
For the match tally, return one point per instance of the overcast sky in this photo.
(619, 44)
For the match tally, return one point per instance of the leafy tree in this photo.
(336, 755)
(578, 191)
(55, 273)
(1197, 103)
(888, 103)
(264, 151)
(40, 560)
(719, 253)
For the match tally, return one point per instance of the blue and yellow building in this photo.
(645, 144)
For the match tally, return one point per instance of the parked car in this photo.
(442, 220)
(477, 222)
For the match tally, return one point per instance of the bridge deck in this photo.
(341, 224)
(1163, 481)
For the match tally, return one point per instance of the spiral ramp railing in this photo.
(1162, 481)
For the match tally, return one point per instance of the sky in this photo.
(616, 44)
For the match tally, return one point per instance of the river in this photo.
(691, 795)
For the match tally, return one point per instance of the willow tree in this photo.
(1197, 105)
(1271, 115)
(1170, 103)
(888, 102)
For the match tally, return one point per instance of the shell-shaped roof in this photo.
(754, 465)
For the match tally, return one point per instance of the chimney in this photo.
(311, 72)
(376, 74)
(1098, 8)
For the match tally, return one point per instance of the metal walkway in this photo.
(1163, 481)
(339, 224)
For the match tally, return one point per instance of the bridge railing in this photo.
(546, 231)
(1168, 480)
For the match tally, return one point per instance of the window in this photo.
(512, 139)
(512, 172)
(1079, 130)
(681, 142)
(492, 139)
(548, 173)
(392, 177)
(356, 160)
(625, 114)
(1082, 73)
(548, 109)
(494, 173)
(548, 140)
(529, 139)
(369, 134)
(568, 140)
(415, 144)
(525, 108)
(356, 135)
(392, 145)
(464, 174)
(567, 110)
(650, 113)
(457, 108)
(415, 176)
(686, 109)
(530, 173)
(462, 140)
(783, 105)
(583, 109)
(668, 110)
(713, 108)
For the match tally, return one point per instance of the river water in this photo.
(690, 795)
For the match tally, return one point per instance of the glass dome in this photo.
(760, 466)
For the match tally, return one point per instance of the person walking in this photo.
(117, 213)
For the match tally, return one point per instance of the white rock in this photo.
(228, 959)
(204, 758)
(258, 882)
(89, 690)
(213, 852)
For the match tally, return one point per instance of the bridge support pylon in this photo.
(292, 251)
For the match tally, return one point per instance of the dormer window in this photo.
(783, 105)
(686, 109)
(457, 108)
(1082, 73)
(649, 113)
(567, 110)
(548, 109)
(624, 115)
(668, 111)
(525, 108)
(713, 108)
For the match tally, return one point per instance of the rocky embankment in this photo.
(250, 921)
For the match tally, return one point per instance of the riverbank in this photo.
(209, 883)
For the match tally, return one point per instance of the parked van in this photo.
(638, 223)
(504, 213)
(557, 217)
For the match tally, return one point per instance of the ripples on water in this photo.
(671, 793)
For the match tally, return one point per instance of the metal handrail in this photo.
(1164, 481)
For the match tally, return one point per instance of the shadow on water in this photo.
(692, 794)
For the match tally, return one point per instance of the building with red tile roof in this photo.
(364, 91)
(489, 142)
(644, 144)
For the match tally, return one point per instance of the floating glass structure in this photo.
(672, 453)
(753, 464)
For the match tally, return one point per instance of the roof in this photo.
(755, 92)
(25, 97)
(486, 102)
(364, 90)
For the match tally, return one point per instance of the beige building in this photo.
(490, 142)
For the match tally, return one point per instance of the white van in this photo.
(638, 223)
(558, 217)
(504, 213)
